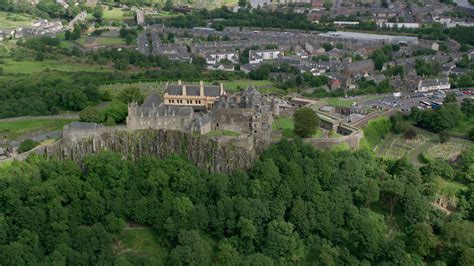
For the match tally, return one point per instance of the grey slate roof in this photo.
(212, 90)
(174, 89)
(153, 99)
(193, 90)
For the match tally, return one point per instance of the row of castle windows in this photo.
(187, 101)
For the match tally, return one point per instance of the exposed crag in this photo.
(208, 154)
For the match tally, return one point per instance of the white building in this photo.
(433, 84)
(214, 58)
(257, 57)
(399, 25)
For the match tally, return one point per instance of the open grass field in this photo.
(113, 14)
(14, 20)
(339, 102)
(286, 126)
(28, 67)
(109, 41)
(20, 128)
(240, 85)
(143, 241)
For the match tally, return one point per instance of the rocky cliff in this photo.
(208, 154)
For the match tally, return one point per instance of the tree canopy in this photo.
(297, 205)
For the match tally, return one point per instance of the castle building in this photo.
(153, 114)
(199, 97)
(248, 113)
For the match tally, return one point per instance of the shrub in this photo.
(27, 145)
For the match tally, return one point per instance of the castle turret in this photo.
(275, 107)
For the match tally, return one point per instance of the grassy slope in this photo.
(28, 67)
(20, 128)
(11, 20)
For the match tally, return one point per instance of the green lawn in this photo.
(109, 41)
(221, 133)
(339, 102)
(114, 14)
(240, 85)
(142, 241)
(17, 129)
(14, 20)
(287, 124)
(28, 67)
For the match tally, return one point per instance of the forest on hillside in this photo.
(297, 205)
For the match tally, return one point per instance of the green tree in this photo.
(192, 249)
(98, 12)
(117, 110)
(282, 242)
(421, 239)
(168, 5)
(130, 95)
(306, 122)
(91, 114)
(450, 98)
(467, 107)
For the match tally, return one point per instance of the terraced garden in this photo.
(426, 143)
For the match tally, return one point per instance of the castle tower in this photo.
(275, 107)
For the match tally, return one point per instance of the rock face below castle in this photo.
(208, 154)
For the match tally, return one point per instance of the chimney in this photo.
(179, 82)
(184, 90)
(237, 99)
(222, 89)
(201, 88)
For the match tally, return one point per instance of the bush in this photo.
(110, 121)
(27, 145)
(443, 136)
(410, 133)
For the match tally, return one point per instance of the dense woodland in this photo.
(296, 205)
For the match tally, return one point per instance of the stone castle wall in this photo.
(352, 140)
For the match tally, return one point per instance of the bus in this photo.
(436, 105)
(425, 104)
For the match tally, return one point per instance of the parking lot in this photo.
(407, 100)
